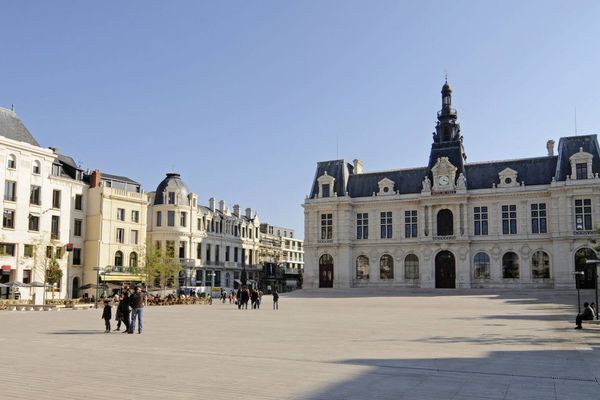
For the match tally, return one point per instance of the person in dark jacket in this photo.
(107, 315)
(136, 301)
(275, 300)
(123, 311)
(587, 314)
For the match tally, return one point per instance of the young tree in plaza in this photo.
(159, 267)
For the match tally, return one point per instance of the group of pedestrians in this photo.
(127, 303)
(245, 295)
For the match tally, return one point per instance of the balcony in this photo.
(444, 237)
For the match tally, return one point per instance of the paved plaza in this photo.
(332, 344)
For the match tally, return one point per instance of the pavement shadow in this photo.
(76, 332)
(555, 374)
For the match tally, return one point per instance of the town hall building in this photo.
(523, 223)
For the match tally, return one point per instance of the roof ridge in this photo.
(389, 170)
(510, 160)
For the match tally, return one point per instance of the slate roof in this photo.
(532, 171)
(179, 184)
(11, 127)
(104, 175)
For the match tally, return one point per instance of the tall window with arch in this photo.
(119, 259)
(540, 265)
(133, 259)
(510, 266)
(362, 267)
(481, 266)
(411, 267)
(386, 267)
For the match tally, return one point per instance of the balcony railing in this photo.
(444, 237)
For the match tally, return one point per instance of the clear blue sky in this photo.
(244, 97)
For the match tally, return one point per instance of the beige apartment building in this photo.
(522, 223)
(115, 231)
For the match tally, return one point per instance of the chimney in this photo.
(222, 206)
(95, 179)
(211, 204)
(236, 210)
(358, 167)
(550, 147)
(249, 213)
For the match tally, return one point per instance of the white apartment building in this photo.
(214, 243)
(523, 223)
(43, 197)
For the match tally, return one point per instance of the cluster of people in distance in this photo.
(128, 302)
(245, 295)
(589, 313)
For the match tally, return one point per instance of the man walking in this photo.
(136, 301)
(275, 300)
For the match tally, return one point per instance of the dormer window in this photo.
(55, 169)
(581, 165)
(37, 168)
(171, 198)
(326, 183)
(508, 178)
(386, 187)
(581, 170)
(12, 162)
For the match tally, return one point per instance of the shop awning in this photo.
(122, 278)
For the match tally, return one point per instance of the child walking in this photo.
(107, 315)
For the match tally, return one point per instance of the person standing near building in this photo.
(275, 300)
(136, 301)
(123, 310)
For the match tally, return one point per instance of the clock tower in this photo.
(447, 145)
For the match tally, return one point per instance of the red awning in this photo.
(6, 268)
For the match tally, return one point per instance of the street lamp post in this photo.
(595, 263)
(97, 269)
(212, 275)
(578, 274)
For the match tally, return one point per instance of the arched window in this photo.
(411, 267)
(37, 167)
(481, 266)
(588, 280)
(326, 259)
(118, 259)
(133, 259)
(540, 265)
(445, 223)
(510, 266)
(12, 161)
(362, 267)
(386, 267)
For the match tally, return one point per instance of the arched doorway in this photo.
(75, 288)
(326, 271)
(445, 223)
(445, 270)
(588, 280)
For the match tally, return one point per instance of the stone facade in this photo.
(500, 224)
(214, 243)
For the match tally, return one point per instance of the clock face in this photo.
(443, 180)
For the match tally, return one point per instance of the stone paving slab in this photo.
(332, 344)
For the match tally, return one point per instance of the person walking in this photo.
(275, 300)
(106, 316)
(136, 301)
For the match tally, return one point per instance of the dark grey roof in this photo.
(174, 178)
(567, 146)
(68, 160)
(405, 181)
(111, 177)
(339, 170)
(532, 171)
(11, 127)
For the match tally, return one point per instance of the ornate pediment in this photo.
(508, 178)
(326, 185)
(386, 187)
(444, 175)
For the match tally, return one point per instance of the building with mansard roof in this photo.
(523, 223)
(213, 243)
